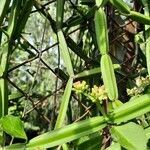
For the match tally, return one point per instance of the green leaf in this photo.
(13, 126)
(4, 5)
(147, 132)
(65, 52)
(1, 71)
(114, 146)
(78, 50)
(121, 6)
(18, 146)
(131, 136)
(91, 142)
(15, 95)
(132, 109)
(26, 9)
(60, 13)
(67, 133)
(64, 104)
(140, 18)
(12, 21)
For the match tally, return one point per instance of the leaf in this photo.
(132, 109)
(109, 77)
(64, 104)
(140, 18)
(67, 133)
(15, 95)
(114, 146)
(131, 136)
(91, 142)
(60, 13)
(147, 132)
(4, 5)
(18, 146)
(12, 21)
(13, 126)
(26, 9)
(65, 52)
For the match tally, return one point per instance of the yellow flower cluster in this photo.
(80, 87)
(135, 91)
(98, 93)
(141, 83)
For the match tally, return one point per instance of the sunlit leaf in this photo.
(65, 52)
(131, 136)
(64, 104)
(18, 146)
(13, 126)
(114, 146)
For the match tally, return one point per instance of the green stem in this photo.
(147, 37)
(100, 108)
(5, 53)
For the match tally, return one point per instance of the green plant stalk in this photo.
(6, 50)
(65, 53)
(68, 63)
(97, 104)
(121, 6)
(64, 104)
(4, 5)
(5, 54)
(25, 12)
(132, 109)
(3, 83)
(108, 76)
(60, 13)
(3, 105)
(3, 97)
(93, 71)
(101, 3)
(140, 18)
(100, 108)
(67, 133)
(12, 22)
(125, 9)
(147, 36)
(107, 68)
(101, 31)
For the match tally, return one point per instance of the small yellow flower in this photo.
(142, 83)
(98, 93)
(138, 81)
(80, 87)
